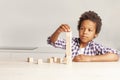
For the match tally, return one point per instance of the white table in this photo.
(22, 70)
(13, 66)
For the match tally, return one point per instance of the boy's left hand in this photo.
(82, 58)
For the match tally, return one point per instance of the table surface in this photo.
(14, 66)
(22, 70)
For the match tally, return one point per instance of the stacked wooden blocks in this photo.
(68, 58)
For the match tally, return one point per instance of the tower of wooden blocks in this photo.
(68, 58)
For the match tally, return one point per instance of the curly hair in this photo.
(91, 15)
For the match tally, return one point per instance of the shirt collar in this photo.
(89, 43)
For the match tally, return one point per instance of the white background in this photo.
(28, 23)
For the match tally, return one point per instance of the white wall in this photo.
(28, 23)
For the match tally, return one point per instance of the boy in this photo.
(84, 49)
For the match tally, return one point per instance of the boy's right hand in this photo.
(64, 28)
(61, 28)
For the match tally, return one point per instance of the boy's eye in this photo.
(90, 30)
(81, 28)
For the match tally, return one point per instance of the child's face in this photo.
(87, 31)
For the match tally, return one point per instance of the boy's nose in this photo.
(85, 31)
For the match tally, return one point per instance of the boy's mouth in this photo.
(84, 37)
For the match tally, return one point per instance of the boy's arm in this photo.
(54, 36)
(62, 28)
(108, 57)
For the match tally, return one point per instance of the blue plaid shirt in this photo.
(91, 49)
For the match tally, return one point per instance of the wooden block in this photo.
(39, 61)
(68, 47)
(59, 60)
(67, 60)
(30, 60)
(50, 60)
(54, 59)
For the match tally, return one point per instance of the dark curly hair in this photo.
(91, 15)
